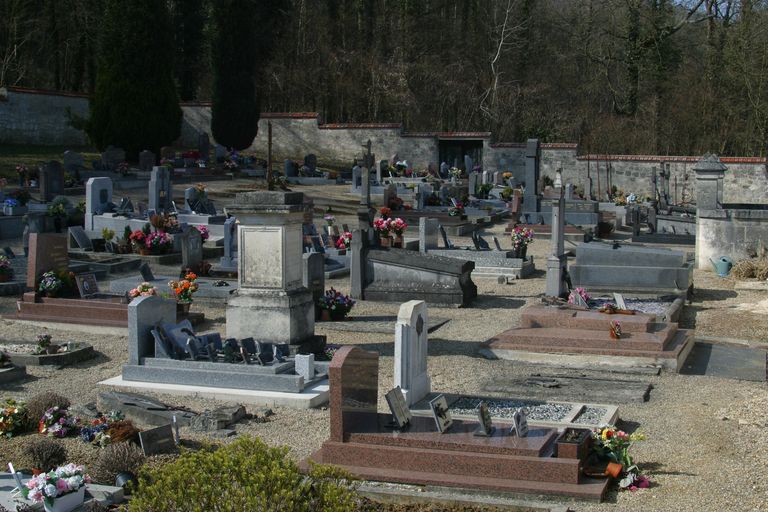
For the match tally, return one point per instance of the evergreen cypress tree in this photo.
(135, 105)
(188, 22)
(244, 33)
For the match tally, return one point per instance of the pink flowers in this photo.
(204, 233)
(143, 290)
(344, 241)
(578, 291)
(382, 225)
(521, 236)
(398, 225)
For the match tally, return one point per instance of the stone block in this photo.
(144, 313)
(411, 335)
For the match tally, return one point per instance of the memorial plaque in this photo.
(146, 272)
(440, 412)
(485, 428)
(579, 300)
(401, 415)
(87, 285)
(80, 237)
(619, 298)
(47, 251)
(261, 268)
(520, 423)
(157, 440)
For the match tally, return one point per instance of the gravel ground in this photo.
(707, 446)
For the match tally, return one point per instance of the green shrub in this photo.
(38, 404)
(46, 454)
(116, 458)
(245, 475)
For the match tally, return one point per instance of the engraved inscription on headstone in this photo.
(440, 412)
(401, 415)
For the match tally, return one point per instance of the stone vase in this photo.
(325, 315)
(385, 241)
(68, 502)
(182, 308)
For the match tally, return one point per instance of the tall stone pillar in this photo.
(271, 303)
(532, 161)
(710, 172)
(557, 260)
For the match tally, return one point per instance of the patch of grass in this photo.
(12, 155)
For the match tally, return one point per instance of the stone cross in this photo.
(411, 351)
(556, 261)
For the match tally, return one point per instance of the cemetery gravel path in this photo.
(707, 447)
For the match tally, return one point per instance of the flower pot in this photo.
(574, 443)
(613, 469)
(398, 241)
(182, 308)
(143, 251)
(385, 241)
(67, 502)
(325, 315)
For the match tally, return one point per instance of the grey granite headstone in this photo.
(147, 160)
(80, 237)
(51, 180)
(473, 183)
(444, 170)
(229, 260)
(446, 243)
(305, 366)
(469, 164)
(428, 234)
(146, 272)
(160, 190)
(73, 161)
(313, 276)
(191, 248)
(144, 313)
(98, 197)
(290, 169)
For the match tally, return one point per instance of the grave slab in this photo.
(378, 323)
(727, 361)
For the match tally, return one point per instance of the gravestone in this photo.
(290, 169)
(390, 193)
(191, 248)
(98, 199)
(444, 170)
(73, 161)
(144, 313)
(160, 190)
(47, 251)
(204, 146)
(424, 192)
(219, 153)
(157, 440)
(428, 234)
(469, 164)
(381, 167)
(112, 157)
(357, 177)
(472, 189)
(147, 160)
(310, 162)
(354, 390)
(557, 260)
(411, 351)
(447, 244)
(229, 260)
(305, 366)
(146, 272)
(80, 238)
(532, 160)
(51, 180)
(269, 269)
(313, 277)
(485, 177)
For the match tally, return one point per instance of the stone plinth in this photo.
(361, 443)
(568, 334)
(271, 302)
(631, 268)
(108, 311)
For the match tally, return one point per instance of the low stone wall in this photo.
(732, 232)
(29, 116)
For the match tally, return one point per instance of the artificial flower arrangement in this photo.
(204, 233)
(22, 169)
(336, 303)
(164, 222)
(13, 417)
(521, 237)
(385, 212)
(578, 291)
(615, 330)
(137, 238)
(44, 344)
(158, 242)
(50, 283)
(10, 203)
(457, 209)
(97, 431)
(344, 241)
(46, 487)
(455, 172)
(382, 225)
(57, 422)
(398, 226)
(184, 288)
(614, 444)
(5, 266)
(143, 290)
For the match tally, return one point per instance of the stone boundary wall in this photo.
(29, 116)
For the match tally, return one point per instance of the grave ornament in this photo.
(401, 415)
(486, 427)
(439, 406)
(520, 423)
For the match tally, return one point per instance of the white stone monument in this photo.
(411, 351)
